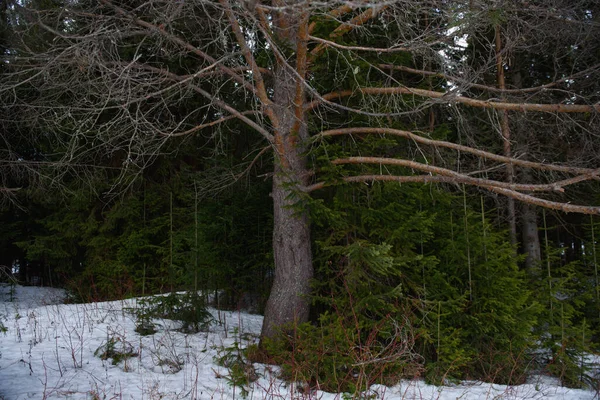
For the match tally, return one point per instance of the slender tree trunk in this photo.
(289, 302)
(529, 223)
(531, 238)
(505, 129)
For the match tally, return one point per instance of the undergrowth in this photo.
(115, 349)
(189, 308)
(238, 363)
(334, 356)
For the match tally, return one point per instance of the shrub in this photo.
(117, 349)
(335, 356)
(189, 308)
(237, 362)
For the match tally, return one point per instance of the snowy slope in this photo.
(48, 351)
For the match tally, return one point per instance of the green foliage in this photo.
(340, 355)
(134, 250)
(418, 253)
(189, 308)
(591, 267)
(117, 349)
(450, 357)
(568, 293)
(161, 236)
(241, 370)
(58, 232)
(569, 355)
(479, 313)
(239, 227)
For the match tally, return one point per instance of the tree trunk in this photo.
(529, 224)
(288, 302)
(505, 130)
(531, 239)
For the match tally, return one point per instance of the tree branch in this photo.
(223, 105)
(453, 98)
(485, 87)
(457, 147)
(347, 27)
(261, 91)
(359, 48)
(525, 198)
(462, 178)
(338, 12)
(208, 124)
(182, 43)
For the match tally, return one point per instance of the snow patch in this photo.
(52, 351)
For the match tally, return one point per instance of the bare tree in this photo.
(109, 80)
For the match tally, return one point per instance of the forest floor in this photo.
(50, 350)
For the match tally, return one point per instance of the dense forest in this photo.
(402, 187)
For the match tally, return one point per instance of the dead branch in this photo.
(462, 178)
(488, 88)
(560, 206)
(457, 147)
(449, 98)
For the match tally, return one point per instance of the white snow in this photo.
(48, 351)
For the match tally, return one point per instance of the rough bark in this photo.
(288, 302)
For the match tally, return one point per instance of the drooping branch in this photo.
(199, 127)
(462, 178)
(234, 178)
(386, 178)
(565, 207)
(235, 112)
(180, 81)
(253, 162)
(7, 190)
(455, 180)
(206, 73)
(457, 147)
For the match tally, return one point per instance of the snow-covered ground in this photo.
(48, 352)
